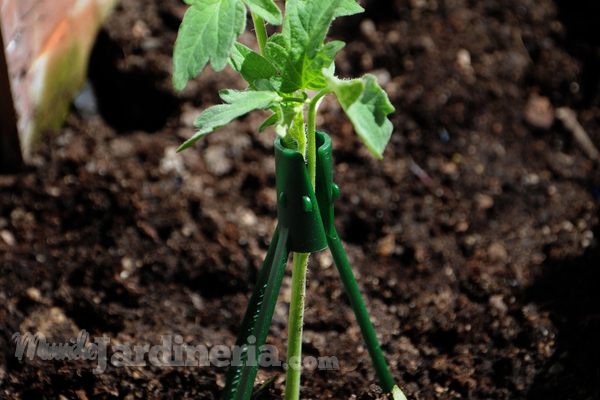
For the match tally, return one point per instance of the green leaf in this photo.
(251, 65)
(290, 78)
(313, 74)
(240, 21)
(266, 9)
(272, 120)
(207, 33)
(263, 84)
(240, 103)
(309, 21)
(287, 112)
(298, 52)
(348, 91)
(237, 97)
(290, 125)
(348, 7)
(367, 109)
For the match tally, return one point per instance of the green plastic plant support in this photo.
(306, 225)
(327, 191)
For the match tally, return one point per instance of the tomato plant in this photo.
(294, 70)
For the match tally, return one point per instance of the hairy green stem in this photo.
(311, 155)
(300, 262)
(261, 32)
(296, 314)
(294, 350)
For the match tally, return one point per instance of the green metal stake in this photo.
(306, 225)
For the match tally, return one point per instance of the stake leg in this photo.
(257, 319)
(358, 306)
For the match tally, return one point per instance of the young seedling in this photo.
(291, 65)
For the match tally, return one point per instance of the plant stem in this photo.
(300, 262)
(294, 350)
(311, 153)
(260, 31)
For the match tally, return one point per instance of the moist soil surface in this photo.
(473, 240)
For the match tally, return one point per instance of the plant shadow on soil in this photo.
(127, 100)
(568, 290)
(580, 18)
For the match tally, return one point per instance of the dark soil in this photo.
(474, 240)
